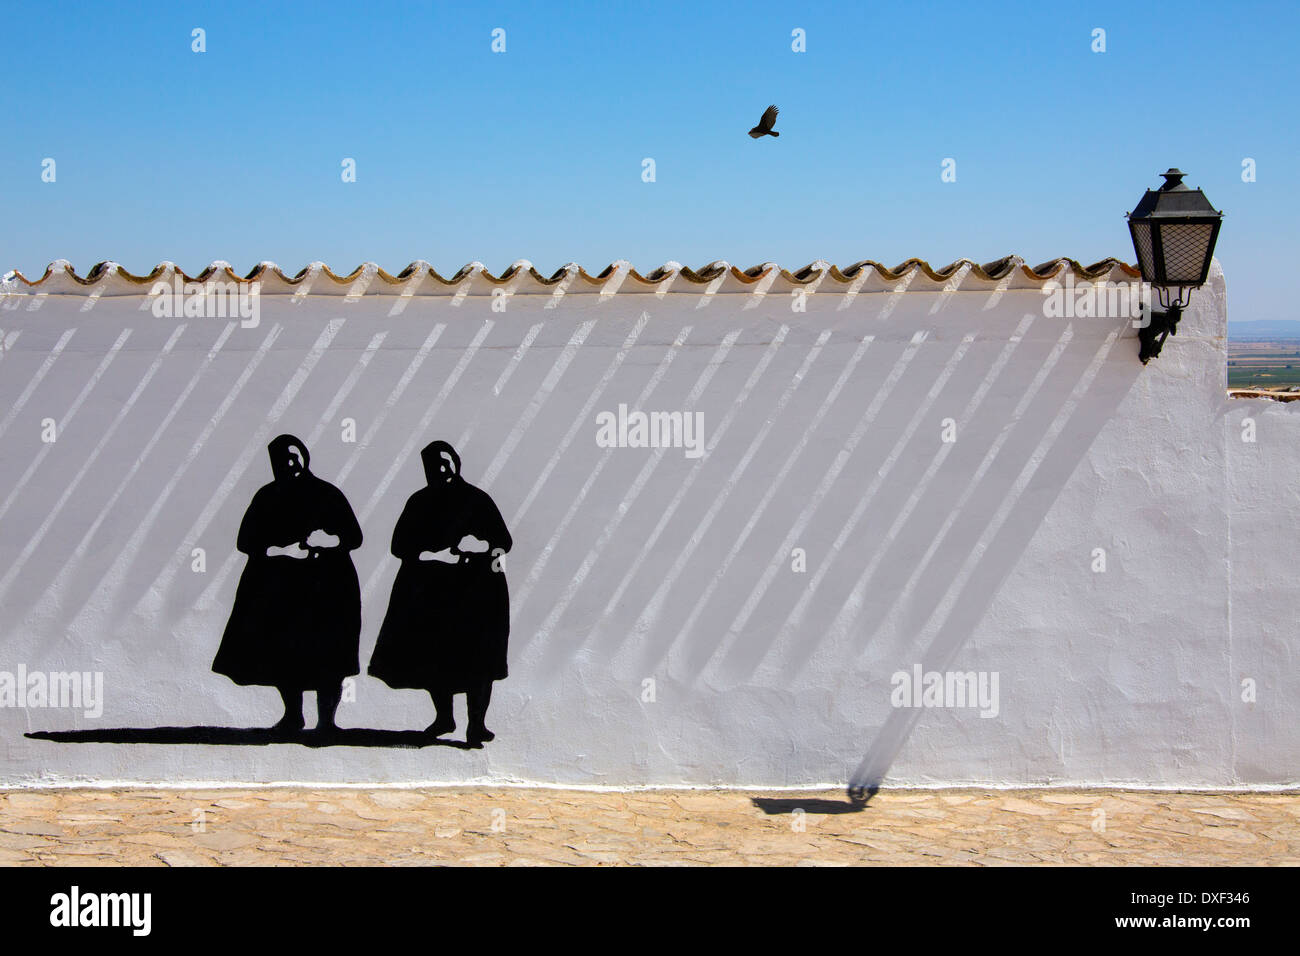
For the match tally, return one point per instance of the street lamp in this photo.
(1174, 229)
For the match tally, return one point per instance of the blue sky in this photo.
(536, 153)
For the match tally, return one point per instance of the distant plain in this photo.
(1264, 354)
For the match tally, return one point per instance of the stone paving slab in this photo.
(527, 827)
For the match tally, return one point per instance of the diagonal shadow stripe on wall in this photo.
(50, 516)
(714, 639)
(988, 490)
(1086, 411)
(67, 588)
(561, 650)
(584, 569)
(149, 602)
(214, 591)
(742, 656)
(797, 653)
(893, 569)
(520, 597)
(651, 619)
(604, 625)
(115, 579)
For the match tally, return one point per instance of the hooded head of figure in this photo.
(289, 457)
(441, 463)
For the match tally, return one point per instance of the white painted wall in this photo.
(628, 566)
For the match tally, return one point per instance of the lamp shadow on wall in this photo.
(993, 551)
(251, 737)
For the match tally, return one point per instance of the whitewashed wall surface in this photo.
(891, 487)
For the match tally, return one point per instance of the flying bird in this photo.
(764, 127)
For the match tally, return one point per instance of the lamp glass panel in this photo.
(1142, 243)
(1185, 245)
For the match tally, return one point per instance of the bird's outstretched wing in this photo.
(769, 119)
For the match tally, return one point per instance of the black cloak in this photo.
(296, 621)
(447, 625)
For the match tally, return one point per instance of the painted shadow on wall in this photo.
(296, 619)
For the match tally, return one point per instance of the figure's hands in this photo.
(473, 545)
(445, 556)
(321, 539)
(295, 550)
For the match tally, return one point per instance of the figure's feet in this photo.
(440, 726)
(289, 725)
(479, 735)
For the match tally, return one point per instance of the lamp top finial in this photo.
(1173, 179)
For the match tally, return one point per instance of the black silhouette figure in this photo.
(765, 124)
(448, 618)
(296, 619)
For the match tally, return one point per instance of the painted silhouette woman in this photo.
(448, 617)
(297, 613)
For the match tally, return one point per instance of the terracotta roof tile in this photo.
(474, 278)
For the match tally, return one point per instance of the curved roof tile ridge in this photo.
(60, 276)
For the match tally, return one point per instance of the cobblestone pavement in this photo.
(521, 827)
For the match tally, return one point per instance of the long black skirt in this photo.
(447, 627)
(296, 623)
